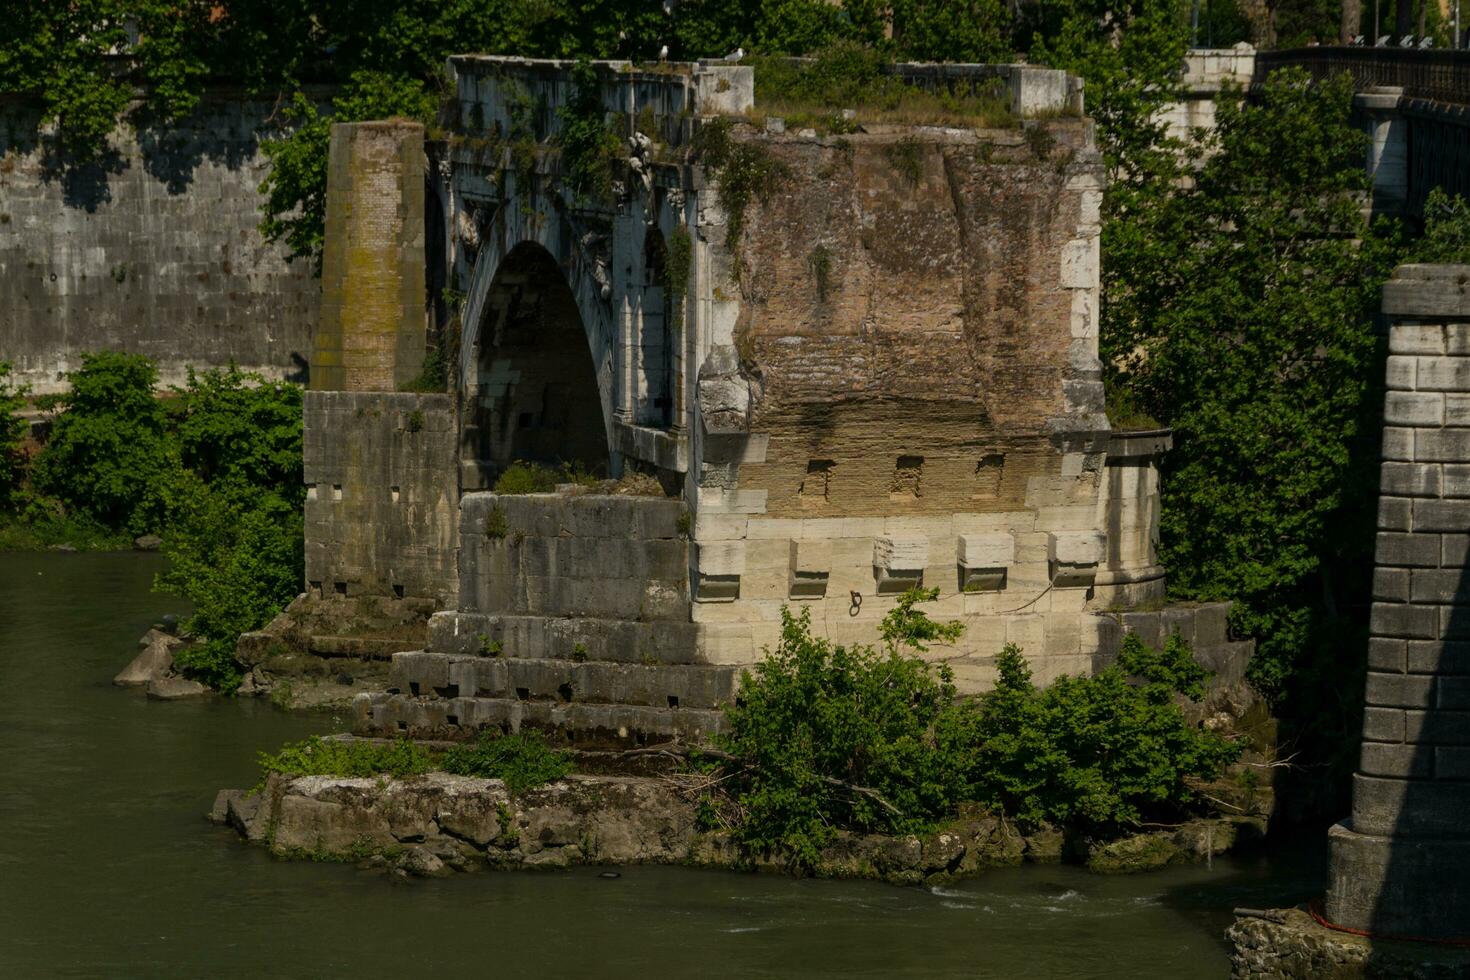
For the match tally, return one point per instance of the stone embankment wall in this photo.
(1399, 864)
(156, 251)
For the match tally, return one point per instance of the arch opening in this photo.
(537, 395)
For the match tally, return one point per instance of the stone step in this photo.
(424, 674)
(368, 647)
(535, 637)
(458, 718)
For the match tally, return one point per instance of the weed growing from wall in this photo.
(590, 143)
(819, 264)
(745, 171)
(677, 264)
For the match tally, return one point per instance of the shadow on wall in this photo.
(223, 130)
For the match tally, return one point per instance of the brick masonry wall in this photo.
(382, 494)
(156, 252)
(1400, 863)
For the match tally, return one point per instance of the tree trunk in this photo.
(1352, 20)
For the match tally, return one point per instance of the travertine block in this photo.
(901, 552)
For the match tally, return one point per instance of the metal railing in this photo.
(1439, 76)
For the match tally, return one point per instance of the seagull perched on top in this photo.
(1407, 41)
(735, 55)
(663, 53)
(1357, 41)
(1427, 42)
(1382, 42)
(669, 8)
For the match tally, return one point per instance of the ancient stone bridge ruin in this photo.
(880, 373)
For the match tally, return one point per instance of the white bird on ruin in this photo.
(735, 55)
(663, 53)
(1382, 42)
(1426, 42)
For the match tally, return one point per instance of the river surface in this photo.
(108, 869)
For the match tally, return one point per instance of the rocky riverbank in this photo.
(1288, 944)
(440, 823)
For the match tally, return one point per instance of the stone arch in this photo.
(533, 390)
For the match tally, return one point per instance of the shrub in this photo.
(846, 737)
(826, 737)
(239, 427)
(315, 756)
(1101, 752)
(236, 552)
(109, 457)
(527, 477)
(523, 761)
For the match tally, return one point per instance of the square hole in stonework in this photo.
(447, 691)
(403, 726)
(907, 478)
(564, 692)
(452, 719)
(413, 688)
(340, 588)
(398, 591)
(311, 491)
(525, 420)
(315, 587)
(523, 693)
(673, 700)
(988, 473)
(816, 486)
(336, 491)
(393, 492)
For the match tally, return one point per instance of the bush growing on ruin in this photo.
(109, 456)
(1101, 752)
(826, 738)
(830, 737)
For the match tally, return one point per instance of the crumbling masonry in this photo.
(888, 378)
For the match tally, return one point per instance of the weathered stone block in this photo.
(1413, 408)
(1413, 550)
(1399, 690)
(1442, 515)
(1395, 514)
(1410, 479)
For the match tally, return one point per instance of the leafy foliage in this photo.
(296, 188)
(828, 737)
(317, 756)
(1101, 751)
(109, 456)
(523, 761)
(1446, 229)
(589, 143)
(528, 477)
(816, 720)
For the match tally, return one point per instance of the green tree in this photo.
(1102, 752)
(1251, 335)
(109, 456)
(87, 61)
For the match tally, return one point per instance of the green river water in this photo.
(108, 869)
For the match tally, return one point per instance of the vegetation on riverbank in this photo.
(523, 761)
(214, 469)
(827, 737)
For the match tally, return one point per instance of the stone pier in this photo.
(1401, 862)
